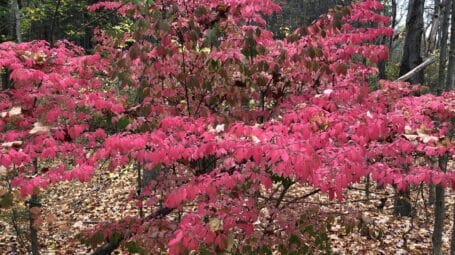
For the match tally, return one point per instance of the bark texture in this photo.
(413, 41)
(17, 19)
(445, 12)
(451, 67)
(439, 210)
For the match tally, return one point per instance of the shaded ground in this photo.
(71, 207)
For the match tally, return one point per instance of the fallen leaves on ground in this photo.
(71, 207)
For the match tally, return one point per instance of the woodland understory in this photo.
(73, 207)
(227, 127)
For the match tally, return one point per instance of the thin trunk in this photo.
(6, 82)
(402, 205)
(33, 202)
(17, 20)
(452, 242)
(382, 71)
(413, 41)
(394, 21)
(139, 189)
(431, 194)
(382, 64)
(15, 221)
(451, 67)
(439, 210)
(54, 21)
(431, 44)
(445, 12)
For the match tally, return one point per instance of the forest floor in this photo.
(71, 207)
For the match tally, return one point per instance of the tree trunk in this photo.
(6, 82)
(412, 45)
(33, 202)
(394, 21)
(438, 227)
(431, 43)
(139, 189)
(54, 22)
(452, 242)
(445, 12)
(431, 194)
(382, 64)
(451, 67)
(367, 188)
(17, 19)
(439, 210)
(402, 205)
(411, 59)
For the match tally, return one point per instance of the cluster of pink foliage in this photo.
(46, 113)
(210, 81)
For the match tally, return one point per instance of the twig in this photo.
(304, 196)
(405, 240)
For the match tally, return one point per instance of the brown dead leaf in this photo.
(14, 144)
(39, 128)
(35, 211)
(50, 218)
(3, 171)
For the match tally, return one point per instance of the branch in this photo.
(304, 196)
(159, 213)
(109, 247)
(417, 69)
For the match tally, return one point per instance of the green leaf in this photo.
(294, 239)
(116, 237)
(122, 123)
(133, 247)
(204, 251)
(286, 181)
(193, 81)
(250, 52)
(212, 38)
(95, 239)
(207, 85)
(266, 250)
